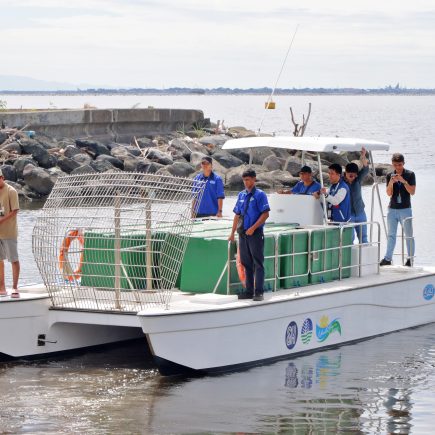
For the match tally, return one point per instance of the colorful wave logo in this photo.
(326, 328)
(307, 331)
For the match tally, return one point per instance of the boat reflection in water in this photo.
(366, 387)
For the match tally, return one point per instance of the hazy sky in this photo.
(229, 43)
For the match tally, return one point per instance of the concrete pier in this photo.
(116, 125)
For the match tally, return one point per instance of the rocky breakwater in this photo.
(32, 164)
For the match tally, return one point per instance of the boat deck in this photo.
(210, 302)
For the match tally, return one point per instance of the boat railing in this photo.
(114, 241)
(348, 250)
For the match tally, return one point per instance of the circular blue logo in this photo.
(291, 335)
(429, 292)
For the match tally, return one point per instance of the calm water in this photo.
(385, 385)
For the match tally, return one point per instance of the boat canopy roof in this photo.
(316, 144)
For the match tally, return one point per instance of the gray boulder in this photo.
(280, 152)
(67, 165)
(147, 167)
(47, 142)
(158, 156)
(13, 147)
(94, 148)
(39, 153)
(241, 154)
(3, 136)
(272, 163)
(177, 156)
(130, 163)
(9, 172)
(277, 178)
(226, 160)
(112, 160)
(134, 150)
(84, 169)
(38, 179)
(216, 141)
(240, 132)
(260, 154)
(21, 163)
(145, 142)
(233, 177)
(120, 153)
(70, 151)
(102, 165)
(187, 147)
(340, 158)
(180, 169)
(82, 158)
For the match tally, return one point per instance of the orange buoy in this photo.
(64, 264)
(240, 269)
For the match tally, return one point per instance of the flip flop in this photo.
(3, 294)
(15, 295)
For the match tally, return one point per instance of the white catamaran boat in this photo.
(121, 257)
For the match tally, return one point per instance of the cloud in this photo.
(216, 43)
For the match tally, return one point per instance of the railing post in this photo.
(117, 247)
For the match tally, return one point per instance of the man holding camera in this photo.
(400, 186)
(250, 213)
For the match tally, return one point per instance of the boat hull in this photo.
(284, 326)
(31, 329)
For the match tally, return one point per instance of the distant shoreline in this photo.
(228, 91)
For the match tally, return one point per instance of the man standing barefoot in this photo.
(9, 207)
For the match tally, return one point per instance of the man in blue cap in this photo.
(213, 196)
(306, 186)
(251, 212)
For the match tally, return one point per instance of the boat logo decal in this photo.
(306, 331)
(429, 292)
(291, 335)
(326, 328)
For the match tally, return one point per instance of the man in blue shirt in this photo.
(354, 177)
(251, 212)
(307, 185)
(213, 196)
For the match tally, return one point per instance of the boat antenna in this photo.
(277, 79)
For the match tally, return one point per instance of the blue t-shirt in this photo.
(258, 204)
(301, 189)
(213, 190)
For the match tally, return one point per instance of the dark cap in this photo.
(207, 159)
(249, 173)
(306, 169)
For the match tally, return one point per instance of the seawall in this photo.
(105, 124)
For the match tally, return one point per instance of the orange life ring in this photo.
(64, 264)
(240, 269)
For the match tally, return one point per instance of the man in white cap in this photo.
(9, 207)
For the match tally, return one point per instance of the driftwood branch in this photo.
(12, 137)
(299, 130)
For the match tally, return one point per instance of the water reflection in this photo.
(370, 387)
(367, 388)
